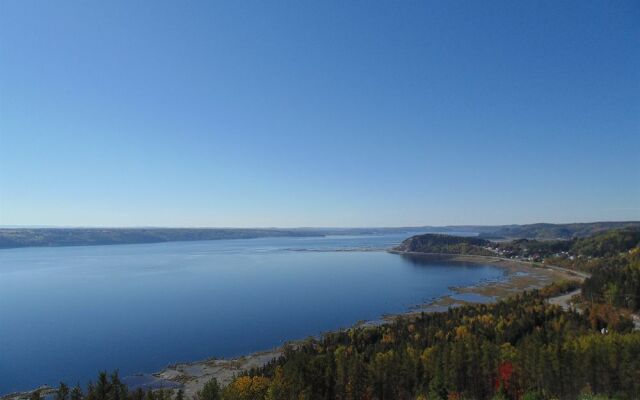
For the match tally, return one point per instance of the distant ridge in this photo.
(551, 231)
(49, 237)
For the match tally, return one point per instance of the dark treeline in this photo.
(607, 244)
(446, 244)
(617, 283)
(606, 249)
(521, 348)
(613, 259)
(109, 387)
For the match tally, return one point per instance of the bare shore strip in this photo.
(520, 276)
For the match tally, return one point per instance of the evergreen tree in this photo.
(210, 391)
(63, 392)
(76, 393)
(137, 394)
(117, 389)
(102, 387)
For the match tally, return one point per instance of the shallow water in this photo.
(68, 312)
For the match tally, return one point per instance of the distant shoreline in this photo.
(55, 237)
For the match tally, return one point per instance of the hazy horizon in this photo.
(3, 226)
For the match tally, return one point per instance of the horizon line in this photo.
(18, 226)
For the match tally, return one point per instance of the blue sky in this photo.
(300, 113)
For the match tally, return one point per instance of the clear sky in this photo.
(318, 113)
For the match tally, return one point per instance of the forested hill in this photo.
(437, 243)
(551, 231)
(607, 244)
(99, 236)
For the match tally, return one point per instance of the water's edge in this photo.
(519, 276)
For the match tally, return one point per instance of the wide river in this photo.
(68, 312)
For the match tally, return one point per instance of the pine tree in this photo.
(210, 391)
(63, 392)
(76, 393)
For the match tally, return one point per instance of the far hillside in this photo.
(51, 237)
(447, 244)
(552, 231)
(608, 243)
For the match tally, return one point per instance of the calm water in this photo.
(67, 312)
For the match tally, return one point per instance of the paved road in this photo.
(563, 300)
(583, 275)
